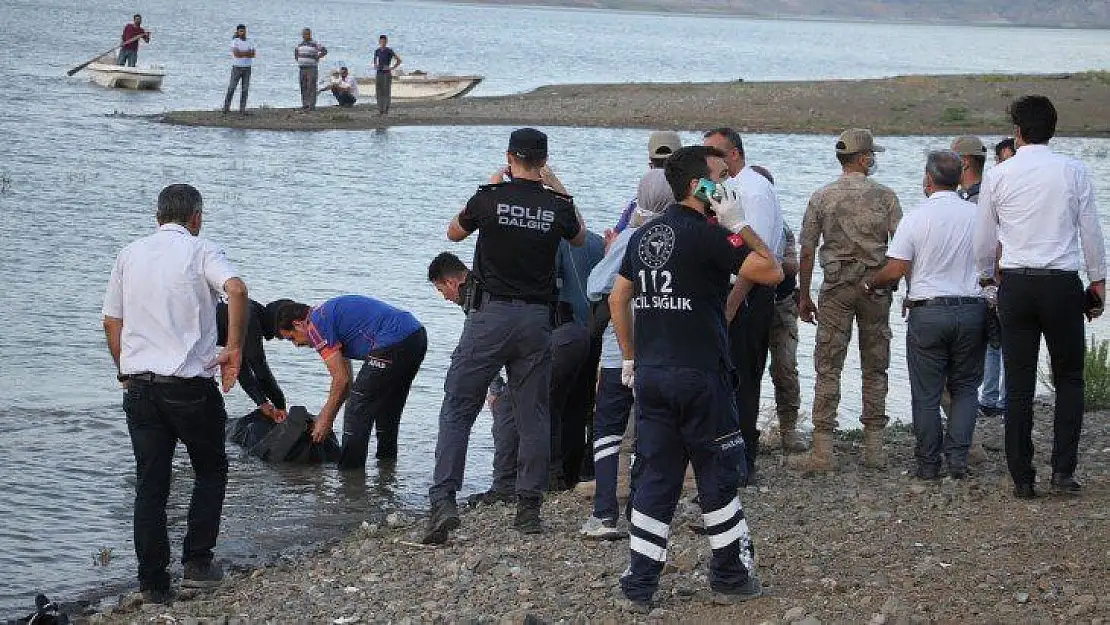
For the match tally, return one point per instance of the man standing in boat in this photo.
(308, 54)
(129, 51)
(385, 61)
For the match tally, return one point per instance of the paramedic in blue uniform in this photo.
(675, 277)
(519, 223)
(391, 344)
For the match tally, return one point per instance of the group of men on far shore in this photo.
(308, 54)
(669, 318)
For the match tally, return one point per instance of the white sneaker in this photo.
(601, 529)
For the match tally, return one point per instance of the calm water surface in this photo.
(311, 216)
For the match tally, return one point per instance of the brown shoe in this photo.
(820, 459)
(874, 455)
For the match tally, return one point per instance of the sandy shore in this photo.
(905, 105)
(860, 546)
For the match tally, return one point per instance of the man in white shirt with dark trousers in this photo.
(160, 322)
(946, 339)
(749, 332)
(1041, 207)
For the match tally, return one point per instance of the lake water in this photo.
(313, 215)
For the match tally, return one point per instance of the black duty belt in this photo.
(153, 378)
(944, 301)
(1033, 271)
(491, 297)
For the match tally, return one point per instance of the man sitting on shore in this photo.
(344, 87)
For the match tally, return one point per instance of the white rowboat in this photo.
(421, 86)
(106, 73)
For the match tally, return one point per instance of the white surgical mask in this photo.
(873, 167)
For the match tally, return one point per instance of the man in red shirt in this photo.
(129, 52)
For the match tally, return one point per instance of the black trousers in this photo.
(1031, 306)
(570, 346)
(749, 337)
(378, 398)
(159, 415)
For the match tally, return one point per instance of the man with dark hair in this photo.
(160, 322)
(932, 249)
(255, 377)
(752, 310)
(569, 343)
(242, 57)
(855, 217)
(675, 276)
(386, 61)
(129, 51)
(307, 54)
(1041, 207)
(344, 87)
(390, 342)
(519, 223)
(1003, 150)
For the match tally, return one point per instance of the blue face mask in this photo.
(706, 189)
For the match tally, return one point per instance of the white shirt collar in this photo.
(942, 194)
(1033, 147)
(172, 227)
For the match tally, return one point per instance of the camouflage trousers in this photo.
(784, 362)
(838, 306)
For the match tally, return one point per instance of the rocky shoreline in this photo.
(866, 546)
(903, 105)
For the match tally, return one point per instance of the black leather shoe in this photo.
(1065, 484)
(958, 474)
(1024, 491)
(927, 473)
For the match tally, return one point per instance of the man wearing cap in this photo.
(750, 327)
(242, 57)
(973, 158)
(1041, 207)
(519, 223)
(344, 87)
(946, 338)
(853, 219)
(661, 145)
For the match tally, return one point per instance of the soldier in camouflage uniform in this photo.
(854, 217)
(784, 348)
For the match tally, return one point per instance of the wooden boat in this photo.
(419, 85)
(106, 73)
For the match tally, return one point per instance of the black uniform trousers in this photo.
(190, 410)
(378, 398)
(1031, 306)
(686, 415)
(749, 337)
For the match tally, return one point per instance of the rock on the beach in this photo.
(796, 613)
(396, 519)
(1021, 597)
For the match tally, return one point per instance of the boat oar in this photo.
(93, 60)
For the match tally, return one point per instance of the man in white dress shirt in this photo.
(750, 329)
(1041, 207)
(932, 248)
(160, 322)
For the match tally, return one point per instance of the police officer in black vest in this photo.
(520, 223)
(675, 277)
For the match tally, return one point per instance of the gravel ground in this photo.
(859, 546)
(905, 105)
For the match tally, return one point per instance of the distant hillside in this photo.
(1063, 13)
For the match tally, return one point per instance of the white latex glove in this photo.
(628, 372)
(729, 212)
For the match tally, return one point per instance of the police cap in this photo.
(528, 144)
